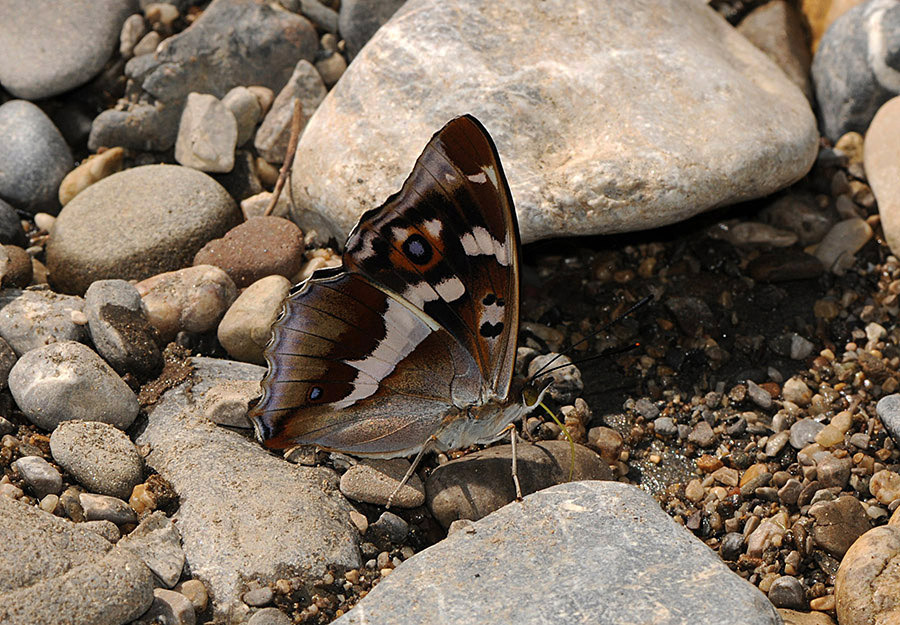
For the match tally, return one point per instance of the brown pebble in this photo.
(259, 247)
(708, 464)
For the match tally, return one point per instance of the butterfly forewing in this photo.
(335, 374)
(448, 244)
(420, 324)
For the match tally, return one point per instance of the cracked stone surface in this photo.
(603, 551)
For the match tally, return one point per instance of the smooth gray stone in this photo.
(605, 552)
(888, 410)
(50, 46)
(100, 456)
(67, 381)
(590, 138)
(157, 543)
(804, 431)
(32, 319)
(40, 475)
(52, 567)
(169, 213)
(119, 328)
(233, 43)
(106, 508)
(34, 157)
(244, 513)
(856, 68)
(359, 19)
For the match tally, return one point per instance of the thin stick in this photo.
(284, 172)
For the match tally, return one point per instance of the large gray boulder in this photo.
(661, 111)
(583, 552)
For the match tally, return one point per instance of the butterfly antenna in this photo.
(606, 353)
(543, 370)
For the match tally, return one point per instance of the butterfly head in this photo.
(532, 391)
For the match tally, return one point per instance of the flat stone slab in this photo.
(583, 552)
(661, 111)
(244, 513)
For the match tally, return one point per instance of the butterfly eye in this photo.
(315, 393)
(417, 249)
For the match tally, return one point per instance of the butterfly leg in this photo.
(410, 471)
(513, 437)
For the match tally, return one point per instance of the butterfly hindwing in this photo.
(448, 244)
(354, 369)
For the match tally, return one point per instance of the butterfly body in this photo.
(411, 343)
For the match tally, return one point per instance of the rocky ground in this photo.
(750, 405)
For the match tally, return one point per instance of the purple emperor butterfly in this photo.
(410, 345)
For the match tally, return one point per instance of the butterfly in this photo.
(410, 344)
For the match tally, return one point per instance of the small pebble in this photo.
(40, 475)
(259, 597)
(196, 593)
(787, 592)
(101, 457)
(106, 508)
(271, 616)
(391, 526)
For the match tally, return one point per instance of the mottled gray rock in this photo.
(286, 520)
(169, 607)
(34, 157)
(101, 457)
(207, 134)
(233, 43)
(475, 485)
(157, 543)
(374, 481)
(888, 410)
(359, 19)
(119, 327)
(68, 570)
(11, 231)
(856, 68)
(32, 319)
(169, 213)
(40, 475)
(133, 29)
(306, 85)
(67, 381)
(51, 46)
(623, 158)
(608, 544)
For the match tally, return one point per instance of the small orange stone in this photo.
(708, 464)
